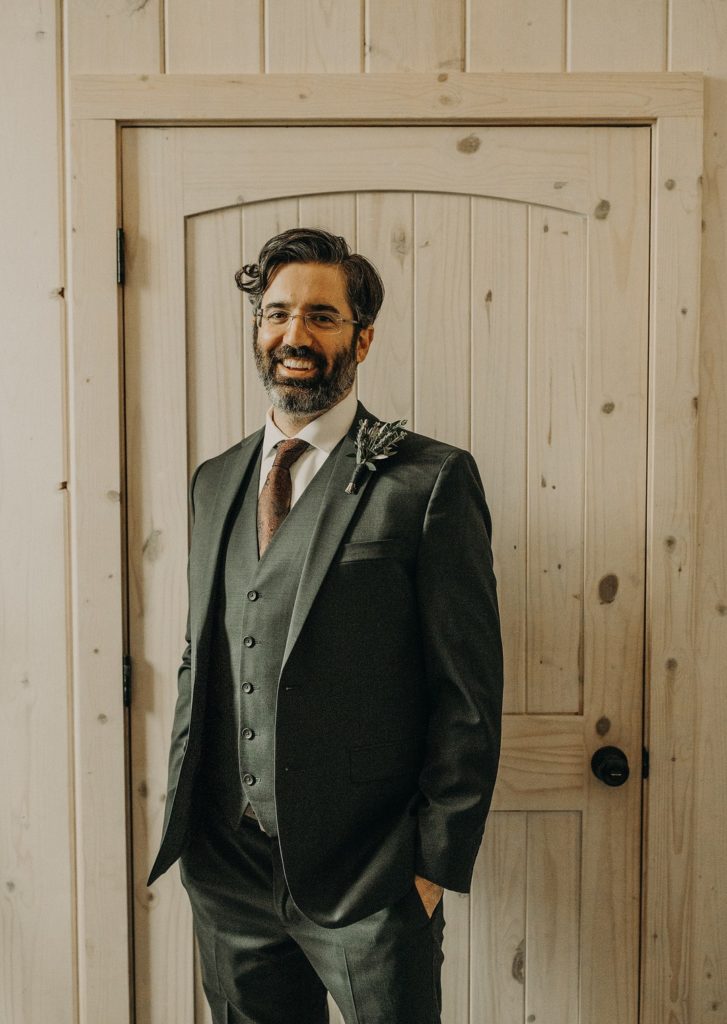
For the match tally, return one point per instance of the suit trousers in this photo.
(264, 962)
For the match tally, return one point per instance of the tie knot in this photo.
(287, 452)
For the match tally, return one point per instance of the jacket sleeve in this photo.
(456, 593)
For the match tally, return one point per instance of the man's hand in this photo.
(429, 893)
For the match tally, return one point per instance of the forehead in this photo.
(302, 284)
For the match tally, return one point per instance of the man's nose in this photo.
(296, 329)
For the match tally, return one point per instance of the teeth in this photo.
(298, 364)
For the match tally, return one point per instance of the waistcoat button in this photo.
(248, 734)
(249, 780)
(252, 595)
(247, 687)
(249, 641)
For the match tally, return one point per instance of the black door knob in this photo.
(610, 765)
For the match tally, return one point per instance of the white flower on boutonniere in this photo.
(374, 442)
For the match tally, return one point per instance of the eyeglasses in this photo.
(276, 321)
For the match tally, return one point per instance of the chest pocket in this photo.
(359, 551)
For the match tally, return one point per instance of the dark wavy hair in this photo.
(364, 287)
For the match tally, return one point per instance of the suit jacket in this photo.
(387, 728)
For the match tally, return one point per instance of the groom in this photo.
(337, 729)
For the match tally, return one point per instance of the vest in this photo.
(253, 605)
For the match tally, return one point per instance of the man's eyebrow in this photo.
(314, 307)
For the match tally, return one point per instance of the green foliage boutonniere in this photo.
(374, 442)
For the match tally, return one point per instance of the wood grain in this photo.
(442, 358)
(386, 236)
(673, 711)
(425, 36)
(620, 35)
(558, 349)
(471, 97)
(37, 901)
(97, 594)
(499, 413)
(115, 36)
(157, 473)
(213, 36)
(214, 313)
(313, 35)
(522, 35)
(499, 921)
(698, 38)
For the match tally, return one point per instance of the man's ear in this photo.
(363, 343)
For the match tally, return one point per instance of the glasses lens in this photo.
(278, 320)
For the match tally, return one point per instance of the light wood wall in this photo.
(38, 41)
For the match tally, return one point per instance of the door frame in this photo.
(100, 105)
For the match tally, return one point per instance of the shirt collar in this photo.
(324, 432)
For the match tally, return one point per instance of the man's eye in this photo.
(276, 316)
(323, 319)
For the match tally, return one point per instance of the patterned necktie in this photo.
(273, 504)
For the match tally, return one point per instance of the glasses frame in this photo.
(311, 328)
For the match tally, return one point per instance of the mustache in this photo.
(298, 352)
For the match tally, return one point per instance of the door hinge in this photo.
(126, 680)
(644, 763)
(120, 263)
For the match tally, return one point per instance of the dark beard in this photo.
(306, 396)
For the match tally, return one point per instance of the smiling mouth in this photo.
(298, 364)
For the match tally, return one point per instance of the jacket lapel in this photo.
(232, 473)
(335, 513)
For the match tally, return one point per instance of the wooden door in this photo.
(515, 324)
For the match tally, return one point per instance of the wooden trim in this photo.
(449, 97)
(97, 583)
(670, 721)
(673, 104)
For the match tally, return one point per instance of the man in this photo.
(336, 735)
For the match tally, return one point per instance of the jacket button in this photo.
(249, 780)
(248, 734)
(249, 641)
(247, 687)
(252, 595)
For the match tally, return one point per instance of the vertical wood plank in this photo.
(213, 36)
(313, 35)
(614, 588)
(556, 449)
(334, 212)
(456, 967)
(114, 36)
(499, 921)
(37, 930)
(522, 35)
(386, 236)
(214, 332)
(442, 326)
(157, 475)
(672, 826)
(499, 413)
(698, 35)
(553, 901)
(617, 36)
(426, 36)
(96, 544)
(260, 221)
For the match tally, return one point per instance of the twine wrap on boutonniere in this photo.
(374, 442)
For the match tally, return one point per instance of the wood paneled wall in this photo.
(104, 36)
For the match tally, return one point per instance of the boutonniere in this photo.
(374, 442)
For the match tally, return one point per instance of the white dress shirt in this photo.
(322, 434)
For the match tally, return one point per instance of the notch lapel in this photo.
(335, 513)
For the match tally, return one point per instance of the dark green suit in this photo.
(387, 712)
